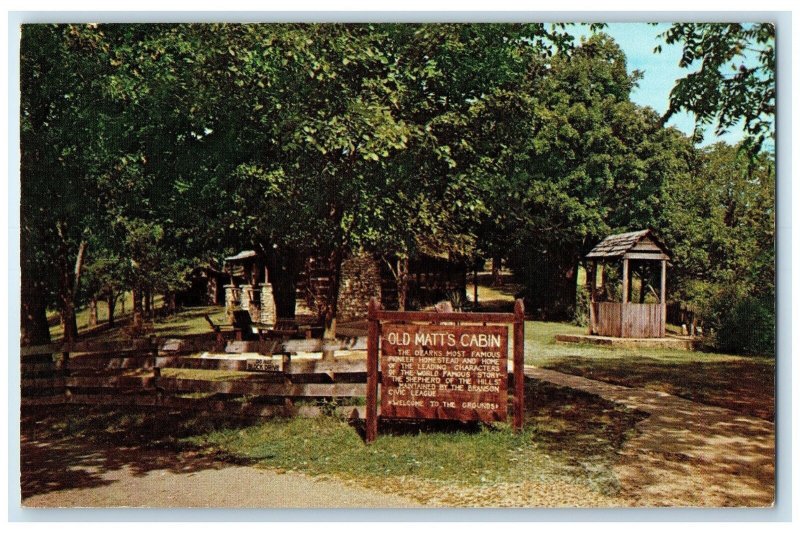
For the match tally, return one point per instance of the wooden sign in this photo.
(444, 372)
(264, 365)
(443, 365)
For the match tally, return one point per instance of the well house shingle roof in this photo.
(618, 245)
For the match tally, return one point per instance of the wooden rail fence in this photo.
(177, 374)
(190, 374)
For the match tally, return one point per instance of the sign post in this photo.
(443, 366)
(372, 370)
(519, 364)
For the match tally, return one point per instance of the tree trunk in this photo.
(92, 312)
(475, 287)
(551, 284)
(34, 326)
(497, 277)
(69, 281)
(112, 303)
(35, 329)
(332, 300)
(70, 320)
(171, 302)
(148, 304)
(402, 283)
(138, 320)
(283, 265)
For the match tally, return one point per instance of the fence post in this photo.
(372, 372)
(156, 368)
(65, 371)
(519, 364)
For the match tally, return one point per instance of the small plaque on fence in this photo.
(444, 372)
(264, 365)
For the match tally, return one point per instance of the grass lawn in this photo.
(744, 384)
(188, 321)
(570, 438)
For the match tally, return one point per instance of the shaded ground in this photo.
(77, 456)
(685, 453)
(71, 473)
(587, 444)
(743, 385)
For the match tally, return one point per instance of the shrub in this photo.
(742, 324)
(582, 302)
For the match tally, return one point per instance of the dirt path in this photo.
(686, 453)
(67, 473)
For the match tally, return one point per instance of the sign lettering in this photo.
(444, 372)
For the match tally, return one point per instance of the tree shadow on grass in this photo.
(403, 427)
(745, 385)
(576, 424)
(71, 447)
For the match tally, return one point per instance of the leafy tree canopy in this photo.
(735, 81)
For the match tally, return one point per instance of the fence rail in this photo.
(151, 372)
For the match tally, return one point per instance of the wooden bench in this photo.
(285, 328)
(242, 327)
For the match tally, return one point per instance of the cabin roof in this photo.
(618, 245)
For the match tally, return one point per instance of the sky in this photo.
(661, 71)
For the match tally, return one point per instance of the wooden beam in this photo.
(204, 405)
(262, 388)
(39, 349)
(625, 280)
(298, 366)
(113, 382)
(92, 362)
(88, 346)
(591, 274)
(39, 368)
(464, 318)
(645, 256)
(372, 371)
(55, 399)
(43, 383)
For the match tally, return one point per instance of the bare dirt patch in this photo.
(746, 385)
(686, 453)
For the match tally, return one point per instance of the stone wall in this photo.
(360, 280)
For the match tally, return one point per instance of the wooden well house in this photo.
(616, 313)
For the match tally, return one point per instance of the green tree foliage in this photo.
(150, 147)
(735, 82)
(58, 124)
(719, 221)
(592, 163)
